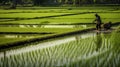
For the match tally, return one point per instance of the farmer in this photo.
(98, 22)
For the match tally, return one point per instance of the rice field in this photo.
(84, 50)
(11, 34)
(72, 52)
(59, 15)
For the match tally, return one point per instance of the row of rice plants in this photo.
(105, 57)
(81, 53)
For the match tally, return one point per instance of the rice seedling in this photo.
(81, 53)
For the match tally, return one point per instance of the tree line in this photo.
(13, 3)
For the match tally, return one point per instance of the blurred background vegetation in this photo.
(13, 3)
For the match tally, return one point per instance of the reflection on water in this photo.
(86, 50)
(98, 41)
(57, 26)
(83, 36)
(46, 26)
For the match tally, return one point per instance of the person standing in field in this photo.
(98, 22)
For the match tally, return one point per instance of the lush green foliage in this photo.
(58, 2)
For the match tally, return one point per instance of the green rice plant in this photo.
(28, 15)
(22, 34)
(115, 41)
(78, 53)
(86, 15)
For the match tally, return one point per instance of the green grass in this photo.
(19, 15)
(31, 16)
(60, 21)
(91, 15)
(53, 31)
(6, 39)
(50, 21)
(28, 15)
(79, 53)
(31, 29)
(10, 40)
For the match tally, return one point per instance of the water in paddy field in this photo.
(46, 26)
(84, 50)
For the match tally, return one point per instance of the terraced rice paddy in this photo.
(59, 15)
(22, 33)
(86, 50)
(69, 52)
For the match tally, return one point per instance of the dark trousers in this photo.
(98, 26)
